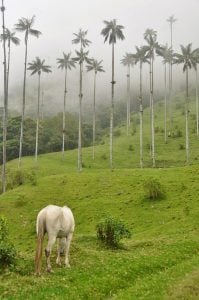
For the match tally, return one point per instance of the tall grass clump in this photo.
(7, 250)
(153, 189)
(111, 231)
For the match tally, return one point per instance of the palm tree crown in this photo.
(10, 37)
(171, 19)
(112, 31)
(141, 55)
(37, 66)
(26, 25)
(66, 62)
(188, 57)
(95, 66)
(166, 53)
(128, 60)
(82, 56)
(80, 37)
(150, 36)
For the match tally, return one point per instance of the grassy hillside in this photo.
(160, 261)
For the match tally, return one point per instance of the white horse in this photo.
(58, 223)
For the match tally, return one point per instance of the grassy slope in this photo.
(160, 261)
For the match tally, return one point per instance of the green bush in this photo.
(153, 189)
(7, 250)
(110, 231)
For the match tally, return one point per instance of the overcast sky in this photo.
(58, 20)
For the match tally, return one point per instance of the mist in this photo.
(58, 21)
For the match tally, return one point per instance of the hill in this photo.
(160, 261)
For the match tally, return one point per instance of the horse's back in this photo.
(57, 219)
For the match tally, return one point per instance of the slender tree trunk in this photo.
(42, 106)
(165, 103)
(112, 110)
(171, 78)
(23, 103)
(8, 66)
(128, 101)
(5, 111)
(37, 128)
(64, 116)
(141, 119)
(197, 104)
(187, 117)
(80, 123)
(152, 118)
(150, 100)
(94, 115)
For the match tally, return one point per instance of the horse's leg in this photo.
(51, 241)
(58, 260)
(68, 241)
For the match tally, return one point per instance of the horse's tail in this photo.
(40, 238)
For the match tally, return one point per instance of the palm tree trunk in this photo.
(94, 115)
(37, 128)
(150, 100)
(152, 118)
(197, 104)
(165, 103)
(5, 112)
(128, 101)
(64, 116)
(112, 110)
(187, 117)
(141, 119)
(80, 123)
(23, 103)
(8, 66)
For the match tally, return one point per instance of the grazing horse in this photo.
(58, 223)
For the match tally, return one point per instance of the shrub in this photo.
(110, 231)
(153, 188)
(7, 250)
(117, 133)
(130, 148)
(181, 147)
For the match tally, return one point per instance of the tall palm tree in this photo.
(95, 66)
(5, 111)
(10, 38)
(141, 57)
(111, 33)
(25, 25)
(66, 63)
(80, 38)
(171, 20)
(151, 38)
(187, 58)
(128, 61)
(166, 54)
(37, 67)
(196, 57)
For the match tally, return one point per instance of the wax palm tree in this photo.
(112, 32)
(188, 59)
(128, 61)
(151, 38)
(166, 54)
(10, 38)
(95, 66)
(171, 21)
(66, 63)
(25, 25)
(80, 38)
(196, 58)
(37, 67)
(141, 57)
(5, 111)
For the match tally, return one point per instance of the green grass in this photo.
(160, 261)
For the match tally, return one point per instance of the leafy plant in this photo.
(7, 250)
(153, 188)
(110, 231)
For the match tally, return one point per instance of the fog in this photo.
(59, 20)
